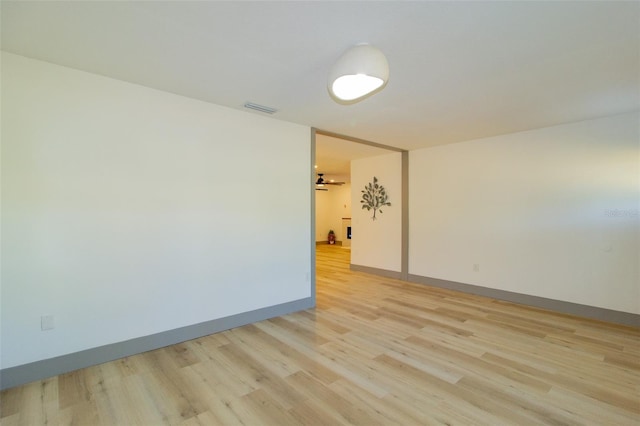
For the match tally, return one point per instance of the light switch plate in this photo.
(47, 322)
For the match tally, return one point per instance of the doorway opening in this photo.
(335, 198)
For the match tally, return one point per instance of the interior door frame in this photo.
(404, 255)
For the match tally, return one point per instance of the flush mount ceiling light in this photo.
(360, 72)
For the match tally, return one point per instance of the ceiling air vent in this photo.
(261, 108)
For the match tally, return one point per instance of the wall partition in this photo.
(134, 218)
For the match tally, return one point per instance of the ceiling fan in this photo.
(322, 182)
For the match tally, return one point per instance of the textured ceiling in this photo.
(458, 70)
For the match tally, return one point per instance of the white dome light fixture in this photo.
(360, 72)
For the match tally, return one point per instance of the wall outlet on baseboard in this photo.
(47, 322)
(476, 267)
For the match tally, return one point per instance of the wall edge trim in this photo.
(360, 141)
(404, 225)
(38, 370)
(560, 306)
(312, 214)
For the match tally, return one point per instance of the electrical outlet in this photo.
(476, 267)
(47, 322)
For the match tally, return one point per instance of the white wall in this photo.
(128, 211)
(550, 212)
(331, 207)
(377, 243)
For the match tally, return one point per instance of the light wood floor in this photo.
(374, 351)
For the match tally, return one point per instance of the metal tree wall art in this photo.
(374, 196)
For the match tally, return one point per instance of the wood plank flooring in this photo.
(375, 351)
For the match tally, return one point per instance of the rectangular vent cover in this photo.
(261, 108)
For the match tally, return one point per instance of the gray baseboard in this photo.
(375, 271)
(21, 374)
(593, 312)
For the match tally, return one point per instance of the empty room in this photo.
(320, 213)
